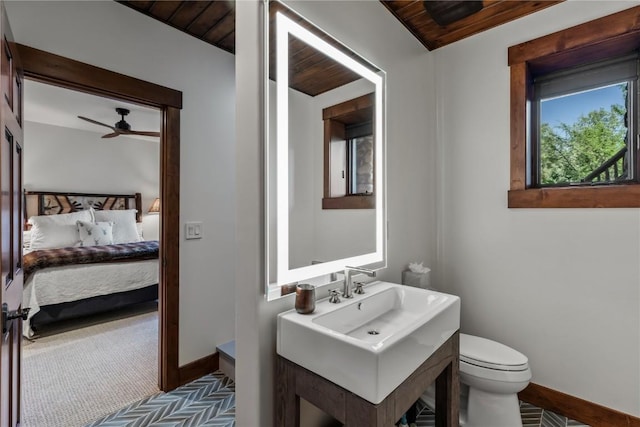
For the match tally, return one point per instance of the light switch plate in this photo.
(193, 230)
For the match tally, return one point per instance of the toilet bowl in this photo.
(491, 375)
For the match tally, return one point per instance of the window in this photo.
(582, 125)
(359, 153)
(349, 159)
(360, 164)
(574, 116)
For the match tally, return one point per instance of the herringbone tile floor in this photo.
(210, 402)
(532, 416)
(206, 402)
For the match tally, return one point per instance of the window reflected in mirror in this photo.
(349, 160)
(360, 163)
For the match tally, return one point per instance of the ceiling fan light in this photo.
(122, 125)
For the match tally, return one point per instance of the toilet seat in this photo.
(468, 372)
(485, 353)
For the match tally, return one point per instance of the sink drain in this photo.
(373, 332)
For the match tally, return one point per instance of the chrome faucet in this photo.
(347, 292)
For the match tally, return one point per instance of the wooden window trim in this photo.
(603, 38)
(349, 202)
(338, 115)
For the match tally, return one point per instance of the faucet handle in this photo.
(359, 288)
(334, 296)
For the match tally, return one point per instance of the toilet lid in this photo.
(490, 354)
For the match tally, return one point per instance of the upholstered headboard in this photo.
(52, 203)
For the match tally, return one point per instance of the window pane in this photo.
(362, 165)
(583, 136)
(337, 167)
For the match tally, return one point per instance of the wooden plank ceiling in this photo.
(214, 21)
(414, 16)
(211, 21)
(312, 72)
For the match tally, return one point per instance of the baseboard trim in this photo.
(575, 408)
(199, 368)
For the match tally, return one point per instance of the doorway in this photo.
(67, 73)
(97, 323)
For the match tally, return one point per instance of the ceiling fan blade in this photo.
(97, 123)
(141, 132)
(111, 135)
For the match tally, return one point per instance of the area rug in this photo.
(77, 376)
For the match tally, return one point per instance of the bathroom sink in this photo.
(371, 343)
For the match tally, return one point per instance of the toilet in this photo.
(491, 375)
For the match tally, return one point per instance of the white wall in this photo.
(411, 174)
(560, 285)
(72, 160)
(112, 36)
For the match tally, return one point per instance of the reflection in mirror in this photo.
(349, 154)
(324, 180)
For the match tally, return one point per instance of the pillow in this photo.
(26, 239)
(95, 233)
(140, 233)
(56, 231)
(124, 224)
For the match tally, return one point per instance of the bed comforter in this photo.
(136, 251)
(54, 276)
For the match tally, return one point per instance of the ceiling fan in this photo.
(122, 127)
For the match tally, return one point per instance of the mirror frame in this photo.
(286, 27)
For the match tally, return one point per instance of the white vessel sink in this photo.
(371, 343)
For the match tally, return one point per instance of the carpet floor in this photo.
(69, 377)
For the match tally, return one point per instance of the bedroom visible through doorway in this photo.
(96, 320)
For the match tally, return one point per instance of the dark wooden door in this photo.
(11, 275)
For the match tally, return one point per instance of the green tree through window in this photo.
(569, 152)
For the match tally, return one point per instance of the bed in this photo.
(84, 254)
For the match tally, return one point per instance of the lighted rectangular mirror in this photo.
(324, 180)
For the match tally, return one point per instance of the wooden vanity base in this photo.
(294, 382)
